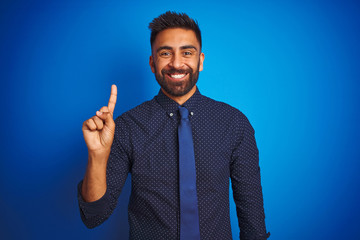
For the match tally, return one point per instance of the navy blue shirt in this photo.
(146, 146)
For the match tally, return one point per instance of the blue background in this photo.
(291, 66)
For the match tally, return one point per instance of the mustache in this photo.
(176, 71)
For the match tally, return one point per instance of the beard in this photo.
(179, 88)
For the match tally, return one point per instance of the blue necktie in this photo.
(189, 215)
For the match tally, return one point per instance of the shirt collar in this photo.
(171, 107)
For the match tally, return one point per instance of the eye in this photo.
(187, 53)
(165, 54)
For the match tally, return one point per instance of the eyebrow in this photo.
(164, 47)
(170, 48)
(187, 47)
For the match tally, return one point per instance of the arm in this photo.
(246, 184)
(98, 134)
(107, 165)
(118, 166)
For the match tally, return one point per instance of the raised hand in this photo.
(99, 130)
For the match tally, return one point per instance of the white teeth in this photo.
(178, 75)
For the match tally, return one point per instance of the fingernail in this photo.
(98, 112)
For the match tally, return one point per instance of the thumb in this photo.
(105, 116)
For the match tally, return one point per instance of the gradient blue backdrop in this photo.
(291, 66)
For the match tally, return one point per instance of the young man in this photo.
(181, 149)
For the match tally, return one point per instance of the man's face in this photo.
(176, 60)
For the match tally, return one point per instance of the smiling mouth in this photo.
(177, 76)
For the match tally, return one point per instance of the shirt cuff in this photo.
(91, 209)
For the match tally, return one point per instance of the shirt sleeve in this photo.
(246, 183)
(118, 167)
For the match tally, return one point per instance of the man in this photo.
(180, 165)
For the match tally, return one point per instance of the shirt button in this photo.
(192, 113)
(171, 114)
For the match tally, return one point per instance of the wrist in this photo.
(98, 159)
(99, 154)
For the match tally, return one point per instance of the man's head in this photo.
(176, 53)
(173, 20)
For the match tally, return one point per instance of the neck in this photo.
(181, 99)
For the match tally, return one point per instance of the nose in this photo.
(176, 61)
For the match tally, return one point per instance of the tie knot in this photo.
(184, 113)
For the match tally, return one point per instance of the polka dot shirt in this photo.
(146, 146)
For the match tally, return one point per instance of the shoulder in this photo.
(223, 108)
(226, 113)
(141, 112)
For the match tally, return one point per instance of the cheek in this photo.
(194, 66)
(160, 65)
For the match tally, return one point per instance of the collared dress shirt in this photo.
(146, 146)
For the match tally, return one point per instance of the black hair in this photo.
(173, 20)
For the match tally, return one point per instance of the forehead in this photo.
(176, 37)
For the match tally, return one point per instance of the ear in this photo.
(202, 57)
(151, 63)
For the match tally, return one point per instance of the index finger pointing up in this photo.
(112, 100)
